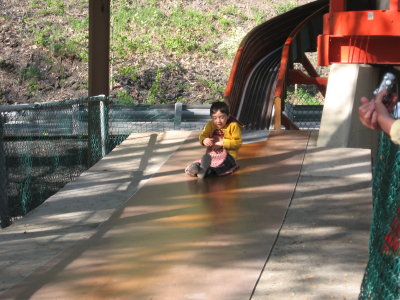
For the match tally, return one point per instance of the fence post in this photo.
(98, 129)
(75, 123)
(178, 115)
(104, 127)
(4, 215)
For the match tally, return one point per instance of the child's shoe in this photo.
(204, 165)
(193, 169)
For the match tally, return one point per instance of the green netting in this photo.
(382, 275)
(44, 146)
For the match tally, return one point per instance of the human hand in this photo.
(208, 142)
(218, 143)
(367, 113)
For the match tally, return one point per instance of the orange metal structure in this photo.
(368, 36)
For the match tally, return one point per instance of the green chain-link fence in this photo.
(44, 146)
(303, 106)
(382, 276)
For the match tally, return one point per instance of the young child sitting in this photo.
(223, 137)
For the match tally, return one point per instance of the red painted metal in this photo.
(394, 5)
(288, 75)
(299, 77)
(367, 36)
(232, 76)
(338, 5)
(320, 82)
(250, 87)
(350, 23)
(294, 75)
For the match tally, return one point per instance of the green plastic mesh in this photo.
(382, 275)
(44, 146)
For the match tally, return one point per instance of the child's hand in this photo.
(219, 144)
(208, 142)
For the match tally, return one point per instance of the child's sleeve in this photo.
(206, 133)
(395, 132)
(235, 139)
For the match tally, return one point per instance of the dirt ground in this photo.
(66, 78)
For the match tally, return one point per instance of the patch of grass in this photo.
(79, 24)
(258, 16)
(216, 90)
(63, 35)
(124, 98)
(84, 85)
(31, 75)
(192, 28)
(155, 89)
(175, 31)
(284, 7)
(129, 71)
(2, 97)
(304, 97)
(140, 27)
(48, 7)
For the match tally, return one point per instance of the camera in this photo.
(387, 83)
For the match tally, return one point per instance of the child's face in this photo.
(219, 119)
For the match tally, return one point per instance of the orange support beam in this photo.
(394, 5)
(360, 37)
(298, 77)
(337, 5)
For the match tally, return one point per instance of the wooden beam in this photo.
(278, 113)
(99, 47)
(99, 74)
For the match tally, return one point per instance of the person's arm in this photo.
(388, 124)
(205, 136)
(235, 137)
(383, 117)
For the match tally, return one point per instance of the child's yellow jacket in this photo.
(232, 136)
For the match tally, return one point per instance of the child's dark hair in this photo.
(219, 106)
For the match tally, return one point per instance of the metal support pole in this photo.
(75, 122)
(103, 127)
(99, 64)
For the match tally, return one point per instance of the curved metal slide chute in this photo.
(251, 85)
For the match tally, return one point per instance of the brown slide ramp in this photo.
(181, 238)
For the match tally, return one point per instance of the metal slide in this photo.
(253, 79)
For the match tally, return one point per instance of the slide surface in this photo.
(181, 238)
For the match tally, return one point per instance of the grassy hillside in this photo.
(161, 51)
